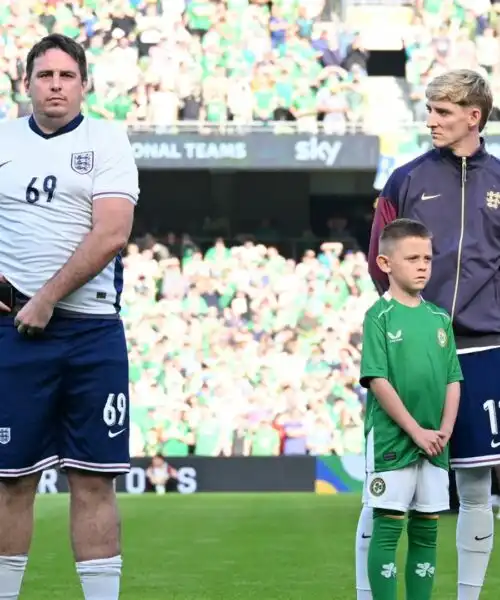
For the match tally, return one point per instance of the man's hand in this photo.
(3, 307)
(34, 316)
(429, 440)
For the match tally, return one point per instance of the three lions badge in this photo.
(82, 162)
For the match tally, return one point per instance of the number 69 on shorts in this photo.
(115, 410)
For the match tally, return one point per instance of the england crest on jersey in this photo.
(82, 162)
(4, 435)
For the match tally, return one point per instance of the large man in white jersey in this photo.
(68, 186)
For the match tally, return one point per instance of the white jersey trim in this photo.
(475, 461)
(83, 465)
(41, 465)
(473, 350)
(99, 195)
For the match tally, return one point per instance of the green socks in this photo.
(382, 554)
(421, 559)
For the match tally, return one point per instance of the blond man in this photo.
(454, 189)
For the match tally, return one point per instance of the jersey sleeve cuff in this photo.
(125, 195)
(366, 378)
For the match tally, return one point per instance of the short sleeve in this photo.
(374, 352)
(116, 173)
(454, 369)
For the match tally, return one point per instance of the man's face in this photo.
(450, 123)
(409, 263)
(56, 87)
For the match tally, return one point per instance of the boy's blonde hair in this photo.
(465, 88)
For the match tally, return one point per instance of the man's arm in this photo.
(386, 211)
(115, 194)
(112, 220)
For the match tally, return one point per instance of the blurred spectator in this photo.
(332, 103)
(263, 440)
(356, 55)
(159, 473)
(452, 34)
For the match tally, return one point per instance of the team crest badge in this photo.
(377, 487)
(82, 162)
(4, 435)
(442, 337)
(493, 199)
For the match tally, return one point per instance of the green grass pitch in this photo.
(228, 547)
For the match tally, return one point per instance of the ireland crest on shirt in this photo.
(82, 162)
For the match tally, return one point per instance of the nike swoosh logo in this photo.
(114, 434)
(484, 537)
(495, 444)
(365, 537)
(425, 197)
(5, 163)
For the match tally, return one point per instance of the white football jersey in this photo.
(47, 186)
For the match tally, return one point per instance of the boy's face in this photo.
(408, 263)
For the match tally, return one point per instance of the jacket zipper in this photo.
(461, 239)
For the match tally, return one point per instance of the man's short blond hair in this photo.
(465, 88)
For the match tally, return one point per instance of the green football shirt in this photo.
(414, 349)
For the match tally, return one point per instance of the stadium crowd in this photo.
(451, 34)
(154, 62)
(240, 351)
(197, 60)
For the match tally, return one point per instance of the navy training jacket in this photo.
(458, 199)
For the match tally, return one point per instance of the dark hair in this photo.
(401, 229)
(62, 42)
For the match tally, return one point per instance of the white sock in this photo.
(160, 489)
(473, 555)
(100, 578)
(475, 528)
(11, 576)
(468, 592)
(363, 535)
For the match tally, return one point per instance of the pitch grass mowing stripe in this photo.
(228, 547)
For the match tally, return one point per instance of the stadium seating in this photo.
(155, 63)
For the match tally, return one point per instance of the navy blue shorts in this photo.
(476, 438)
(64, 397)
